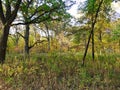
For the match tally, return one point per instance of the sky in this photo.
(73, 10)
(116, 6)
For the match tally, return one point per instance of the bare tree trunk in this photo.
(86, 49)
(48, 43)
(27, 39)
(48, 36)
(3, 43)
(93, 48)
(17, 37)
(100, 36)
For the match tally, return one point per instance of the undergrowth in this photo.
(61, 71)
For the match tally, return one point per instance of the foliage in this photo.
(60, 67)
(116, 33)
(61, 71)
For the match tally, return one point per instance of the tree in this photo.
(39, 11)
(116, 34)
(8, 12)
(93, 8)
(45, 28)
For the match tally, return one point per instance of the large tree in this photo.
(33, 11)
(8, 12)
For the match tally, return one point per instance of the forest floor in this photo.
(60, 71)
(4, 86)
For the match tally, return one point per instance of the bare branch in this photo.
(20, 35)
(38, 41)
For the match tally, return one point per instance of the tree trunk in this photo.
(48, 43)
(92, 34)
(100, 36)
(93, 48)
(86, 49)
(48, 36)
(7, 16)
(27, 39)
(48, 39)
(17, 37)
(3, 43)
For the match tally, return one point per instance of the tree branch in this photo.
(8, 10)
(20, 35)
(38, 41)
(14, 13)
(2, 17)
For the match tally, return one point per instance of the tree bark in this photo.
(93, 48)
(3, 43)
(27, 39)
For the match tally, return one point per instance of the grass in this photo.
(61, 71)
